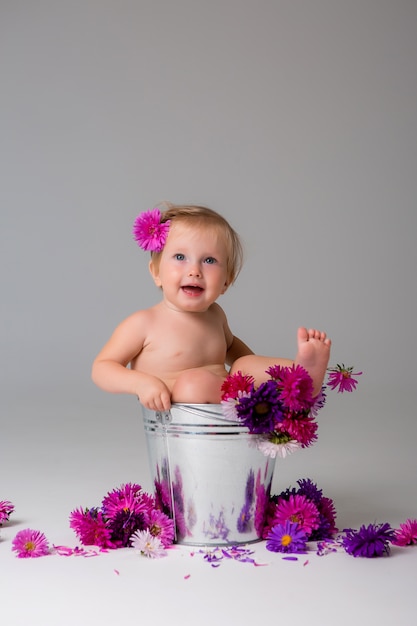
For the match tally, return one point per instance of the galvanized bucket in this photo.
(208, 474)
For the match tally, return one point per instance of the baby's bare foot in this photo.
(313, 354)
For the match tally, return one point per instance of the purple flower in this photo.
(310, 490)
(30, 544)
(369, 541)
(341, 378)
(6, 509)
(149, 232)
(288, 537)
(123, 525)
(260, 411)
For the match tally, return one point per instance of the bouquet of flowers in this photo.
(128, 517)
(282, 411)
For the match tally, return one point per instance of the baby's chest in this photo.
(192, 339)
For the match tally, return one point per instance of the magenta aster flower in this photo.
(287, 537)
(161, 526)
(341, 378)
(406, 534)
(369, 541)
(295, 385)
(236, 383)
(149, 232)
(297, 509)
(91, 528)
(30, 544)
(127, 498)
(6, 509)
(325, 506)
(303, 430)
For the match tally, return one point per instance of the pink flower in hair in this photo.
(149, 232)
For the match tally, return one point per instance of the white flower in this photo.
(229, 409)
(229, 406)
(277, 449)
(147, 544)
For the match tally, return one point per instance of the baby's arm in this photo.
(110, 371)
(235, 346)
(236, 349)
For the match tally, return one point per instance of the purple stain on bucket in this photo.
(208, 475)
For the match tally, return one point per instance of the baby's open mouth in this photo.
(192, 289)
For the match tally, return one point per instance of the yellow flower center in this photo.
(155, 530)
(29, 546)
(286, 540)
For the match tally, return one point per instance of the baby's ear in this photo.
(225, 288)
(154, 270)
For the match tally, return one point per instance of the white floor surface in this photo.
(57, 455)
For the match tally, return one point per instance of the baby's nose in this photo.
(194, 270)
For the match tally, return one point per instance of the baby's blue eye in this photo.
(210, 260)
(179, 257)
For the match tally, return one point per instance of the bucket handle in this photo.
(163, 417)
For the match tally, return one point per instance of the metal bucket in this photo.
(208, 475)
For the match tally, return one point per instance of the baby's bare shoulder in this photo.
(216, 310)
(135, 327)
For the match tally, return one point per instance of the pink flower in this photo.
(341, 378)
(236, 383)
(127, 498)
(6, 508)
(161, 526)
(30, 544)
(295, 385)
(297, 509)
(90, 527)
(149, 232)
(406, 535)
(303, 430)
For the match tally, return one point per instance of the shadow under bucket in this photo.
(208, 474)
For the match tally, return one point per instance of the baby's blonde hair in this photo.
(202, 216)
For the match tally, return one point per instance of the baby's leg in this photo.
(256, 366)
(197, 386)
(313, 354)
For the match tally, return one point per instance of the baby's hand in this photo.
(154, 394)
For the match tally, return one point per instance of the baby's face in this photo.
(192, 269)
